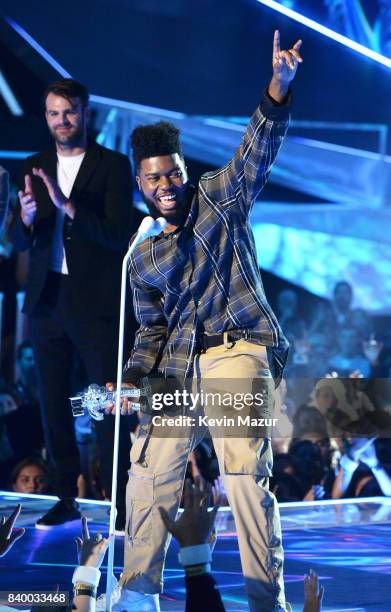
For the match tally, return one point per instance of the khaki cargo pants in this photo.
(156, 479)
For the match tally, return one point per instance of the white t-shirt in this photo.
(67, 168)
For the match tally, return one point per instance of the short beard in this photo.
(75, 140)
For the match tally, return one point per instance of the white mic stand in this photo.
(148, 227)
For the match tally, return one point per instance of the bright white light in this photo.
(9, 97)
(344, 40)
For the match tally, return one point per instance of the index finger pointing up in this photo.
(84, 529)
(27, 184)
(276, 43)
(10, 522)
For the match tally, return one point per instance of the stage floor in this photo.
(347, 543)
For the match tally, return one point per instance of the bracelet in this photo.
(86, 574)
(80, 588)
(195, 555)
(197, 570)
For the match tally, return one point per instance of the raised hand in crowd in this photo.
(90, 552)
(195, 524)
(9, 535)
(28, 205)
(313, 595)
(194, 530)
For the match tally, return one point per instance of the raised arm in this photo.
(245, 175)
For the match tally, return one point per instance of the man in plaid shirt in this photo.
(203, 315)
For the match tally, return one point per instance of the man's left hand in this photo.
(56, 195)
(284, 68)
(285, 62)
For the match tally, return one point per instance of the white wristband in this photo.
(87, 574)
(348, 464)
(195, 555)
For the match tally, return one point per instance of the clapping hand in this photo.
(56, 195)
(28, 205)
(91, 551)
(9, 535)
(195, 524)
(312, 594)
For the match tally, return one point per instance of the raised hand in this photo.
(195, 525)
(312, 594)
(91, 551)
(9, 535)
(56, 195)
(28, 205)
(285, 62)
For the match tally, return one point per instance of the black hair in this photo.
(160, 138)
(68, 89)
(37, 461)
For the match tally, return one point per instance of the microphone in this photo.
(150, 227)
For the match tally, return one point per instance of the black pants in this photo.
(58, 330)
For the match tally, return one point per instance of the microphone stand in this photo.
(148, 227)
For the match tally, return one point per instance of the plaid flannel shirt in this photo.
(205, 276)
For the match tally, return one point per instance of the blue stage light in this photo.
(318, 27)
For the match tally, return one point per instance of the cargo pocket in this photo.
(248, 456)
(140, 498)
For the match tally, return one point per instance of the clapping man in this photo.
(75, 219)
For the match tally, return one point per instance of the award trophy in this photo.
(94, 399)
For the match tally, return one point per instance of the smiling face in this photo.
(67, 120)
(162, 181)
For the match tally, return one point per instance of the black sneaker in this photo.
(62, 512)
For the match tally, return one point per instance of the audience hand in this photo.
(91, 551)
(358, 446)
(8, 535)
(372, 350)
(312, 596)
(369, 456)
(195, 524)
(315, 493)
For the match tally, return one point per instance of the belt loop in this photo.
(227, 343)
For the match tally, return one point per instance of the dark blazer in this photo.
(95, 241)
